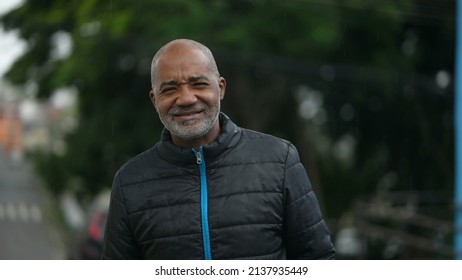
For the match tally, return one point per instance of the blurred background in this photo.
(364, 89)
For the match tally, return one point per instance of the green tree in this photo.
(113, 42)
(351, 83)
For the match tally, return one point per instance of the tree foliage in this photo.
(367, 67)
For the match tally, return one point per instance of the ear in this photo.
(222, 86)
(152, 96)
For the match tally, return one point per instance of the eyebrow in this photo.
(190, 79)
(169, 83)
(195, 79)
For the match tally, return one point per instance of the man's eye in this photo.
(167, 90)
(201, 84)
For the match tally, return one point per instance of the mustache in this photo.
(178, 110)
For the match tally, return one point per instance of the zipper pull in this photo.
(198, 158)
(198, 155)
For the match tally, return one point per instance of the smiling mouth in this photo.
(187, 115)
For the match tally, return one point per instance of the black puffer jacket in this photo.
(245, 196)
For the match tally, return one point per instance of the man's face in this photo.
(187, 93)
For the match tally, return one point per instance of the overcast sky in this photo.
(10, 46)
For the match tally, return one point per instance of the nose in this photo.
(186, 96)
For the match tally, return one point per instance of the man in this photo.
(210, 189)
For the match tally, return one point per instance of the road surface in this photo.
(28, 227)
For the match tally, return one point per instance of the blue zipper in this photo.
(204, 204)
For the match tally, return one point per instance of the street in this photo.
(28, 228)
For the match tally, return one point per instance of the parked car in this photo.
(88, 243)
(92, 245)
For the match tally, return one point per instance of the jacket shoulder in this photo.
(136, 168)
(267, 146)
(263, 138)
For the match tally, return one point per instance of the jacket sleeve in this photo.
(305, 233)
(118, 239)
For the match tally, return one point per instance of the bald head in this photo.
(179, 45)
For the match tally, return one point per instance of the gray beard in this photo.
(191, 129)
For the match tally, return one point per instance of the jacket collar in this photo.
(228, 138)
